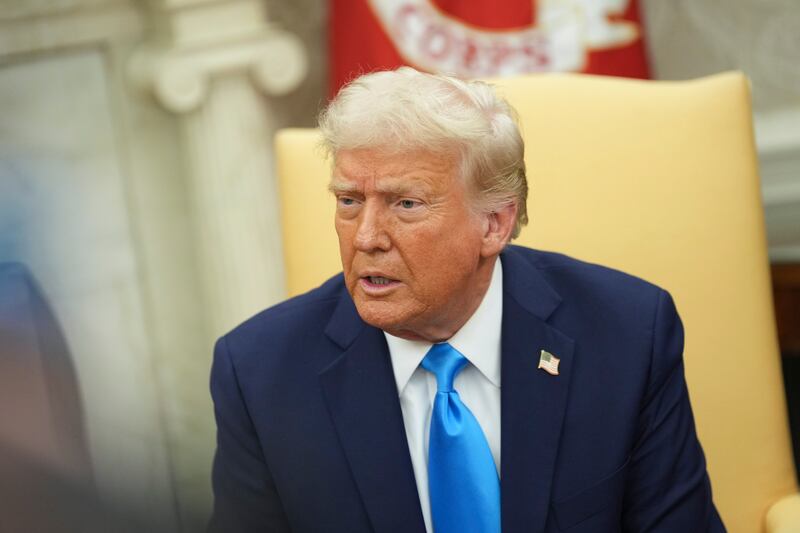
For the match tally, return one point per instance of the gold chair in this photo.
(658, 179)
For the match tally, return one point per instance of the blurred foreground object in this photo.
(46, 482)
(658, 179)
(37, 498)
(40, 406)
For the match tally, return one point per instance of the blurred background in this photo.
(138, 210)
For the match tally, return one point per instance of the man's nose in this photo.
(371, 234)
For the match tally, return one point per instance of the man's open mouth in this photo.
(378, 283)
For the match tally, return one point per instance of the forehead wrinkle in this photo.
(384, 174)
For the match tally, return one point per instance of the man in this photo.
(446, 381)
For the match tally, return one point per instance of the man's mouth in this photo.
(377, 284)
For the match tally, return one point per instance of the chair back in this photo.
(658, 179)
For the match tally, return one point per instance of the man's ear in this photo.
(498, 226)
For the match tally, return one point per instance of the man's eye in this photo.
(346, 201)
(408, 204)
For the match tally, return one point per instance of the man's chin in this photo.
(380, 314)
(392, 319)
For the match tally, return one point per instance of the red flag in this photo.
(486, 38)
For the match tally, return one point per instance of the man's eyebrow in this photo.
(341, 186)
(397, 187)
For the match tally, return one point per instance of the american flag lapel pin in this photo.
(549, 363)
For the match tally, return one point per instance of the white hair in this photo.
(404, 110)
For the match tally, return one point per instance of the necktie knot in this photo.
(445, 362)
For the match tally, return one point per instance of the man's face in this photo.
(411, 247)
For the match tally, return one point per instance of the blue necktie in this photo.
(462, 478)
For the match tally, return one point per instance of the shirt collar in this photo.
(478, 339)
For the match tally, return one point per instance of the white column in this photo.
(212, 63)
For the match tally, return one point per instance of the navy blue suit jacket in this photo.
(311, 436)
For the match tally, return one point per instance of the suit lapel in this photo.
(533, 401)
(361, 394)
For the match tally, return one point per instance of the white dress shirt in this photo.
(478, 384)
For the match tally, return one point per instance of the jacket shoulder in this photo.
(293, 319)
(568, 275)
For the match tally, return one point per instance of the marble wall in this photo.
(62, 162)
(137, 184)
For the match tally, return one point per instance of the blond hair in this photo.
(404, 110)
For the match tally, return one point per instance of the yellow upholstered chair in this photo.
(658, 179)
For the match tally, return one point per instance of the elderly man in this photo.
(446, 381)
